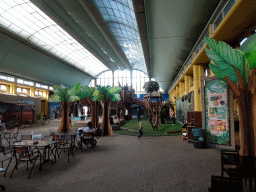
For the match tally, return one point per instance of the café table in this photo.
(40, 145)
(246, 165)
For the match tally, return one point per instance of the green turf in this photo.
(148, 131)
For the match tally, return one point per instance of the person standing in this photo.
(172, 116)
(126, 115)
(140, 130)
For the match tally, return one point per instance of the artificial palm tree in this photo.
(237, 68)
(87, 93)
(106, 94)
(65, 96)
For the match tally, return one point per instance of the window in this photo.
(3, 87)
(40, 93)
(123, 77)
(36, 92)
(25, 91)
(26, 20)
(18, 90)
(6, 78)
(242, 42)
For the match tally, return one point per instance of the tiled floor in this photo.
(122, 163)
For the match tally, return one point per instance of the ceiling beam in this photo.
(58, 14)
(139, 10)
(93, 12)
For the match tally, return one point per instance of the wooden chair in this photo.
(228, 166)
(64, 144)
(23, 154)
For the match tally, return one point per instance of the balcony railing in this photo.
(200, 43)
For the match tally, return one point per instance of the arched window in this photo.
(105, 78)
(123, 77)
(138, 80)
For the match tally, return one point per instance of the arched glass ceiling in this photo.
(120, 17)
(24, 19)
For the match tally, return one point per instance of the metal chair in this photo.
(2, 150)
(64, 143)
(9, 135)
(22, 154)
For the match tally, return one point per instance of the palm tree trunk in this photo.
(253, 122)
(105, 126)
(64, 124)
(244, 131)
(94, 112)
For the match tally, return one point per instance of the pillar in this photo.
(186, 84)
(197, 74)
(46, 103)
(32, 91)
(181, 84)
(177, 92)
(113, 79)
(13, 89)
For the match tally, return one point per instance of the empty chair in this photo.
(22, 154)
(10, 135)
(2, 150)
(229, 164)
(64, 144)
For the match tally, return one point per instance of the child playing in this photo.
(140, 130)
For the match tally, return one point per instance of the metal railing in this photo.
(200, 42)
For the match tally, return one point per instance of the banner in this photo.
(217, 112)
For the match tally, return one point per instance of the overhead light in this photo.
(111, 59)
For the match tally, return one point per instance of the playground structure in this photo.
(153, 102)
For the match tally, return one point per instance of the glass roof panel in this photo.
(120, 17)
(29, 22)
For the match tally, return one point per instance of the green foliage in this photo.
(65, 94)
(107, 93)
(224, 57)
(151, 86)
(86, 92)
(251, 57)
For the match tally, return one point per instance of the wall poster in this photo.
(217, 112)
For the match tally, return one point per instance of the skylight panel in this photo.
(26, 20)
(124, 27)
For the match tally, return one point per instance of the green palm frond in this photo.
(86, 92)
(102, 93)
(65, 94)
(224, 57)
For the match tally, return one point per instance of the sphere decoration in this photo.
(151, 86)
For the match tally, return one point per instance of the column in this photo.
(113, 79)
(46, 103)
(181, 84)
(32, 91)
(177, 92)
(197, 74)
(13, 89)
(131, 78)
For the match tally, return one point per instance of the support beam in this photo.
(197, 74)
